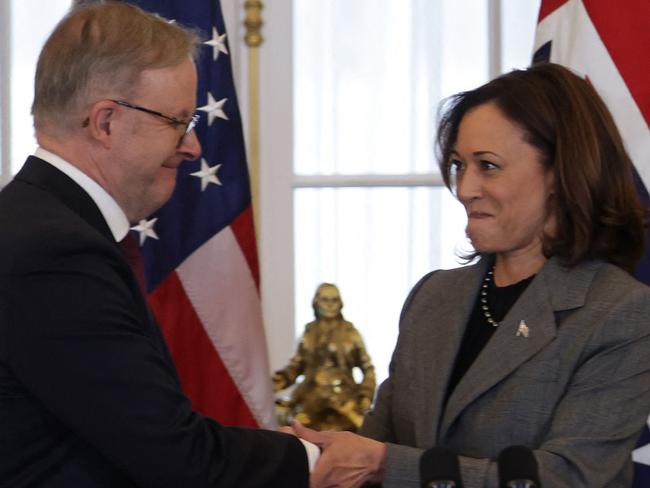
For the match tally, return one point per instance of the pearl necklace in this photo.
(484, 302)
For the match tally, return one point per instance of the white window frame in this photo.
(278, 182)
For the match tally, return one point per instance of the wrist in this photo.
(379, 453)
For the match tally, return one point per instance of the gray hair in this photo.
(98, 50)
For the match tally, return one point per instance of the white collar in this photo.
(110, 210)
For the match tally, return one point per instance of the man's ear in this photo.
(100, 122)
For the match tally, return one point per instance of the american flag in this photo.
(610, 43)
(199, 251)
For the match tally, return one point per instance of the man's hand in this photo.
(347, 460)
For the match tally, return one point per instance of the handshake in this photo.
(346, 460)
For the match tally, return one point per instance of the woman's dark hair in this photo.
(598, 213)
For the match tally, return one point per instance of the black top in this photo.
(479, 331)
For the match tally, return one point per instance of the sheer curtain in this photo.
(368, 77)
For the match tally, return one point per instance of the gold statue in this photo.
(328, 398)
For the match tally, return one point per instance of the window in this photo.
(370, 211)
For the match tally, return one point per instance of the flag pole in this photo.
(253, 38)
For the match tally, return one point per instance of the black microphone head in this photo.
(518, 467)
(439, 467)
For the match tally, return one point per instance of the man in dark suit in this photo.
(89, 396)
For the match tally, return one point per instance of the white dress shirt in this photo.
(110, 210)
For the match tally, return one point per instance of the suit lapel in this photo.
(43, 175)
(554, 289)
(438, 344)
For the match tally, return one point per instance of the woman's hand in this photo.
(347, 460)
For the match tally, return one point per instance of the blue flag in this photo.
(199, 252)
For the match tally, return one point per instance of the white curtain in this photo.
(368, 77)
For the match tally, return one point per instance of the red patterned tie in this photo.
(131, 250)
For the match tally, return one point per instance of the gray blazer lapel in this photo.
(552, 290)
(439, 341)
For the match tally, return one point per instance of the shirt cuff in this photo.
(313, 453)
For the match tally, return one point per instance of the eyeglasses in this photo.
(188, 124)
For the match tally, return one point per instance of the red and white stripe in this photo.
(610, 43)
(220, 335)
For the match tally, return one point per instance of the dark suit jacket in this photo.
(89, 396)
(576, 390)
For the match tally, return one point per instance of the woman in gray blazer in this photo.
(545, 341)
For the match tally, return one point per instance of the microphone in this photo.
(439, 468)
(518, 468)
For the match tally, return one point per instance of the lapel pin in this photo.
(523, 329)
